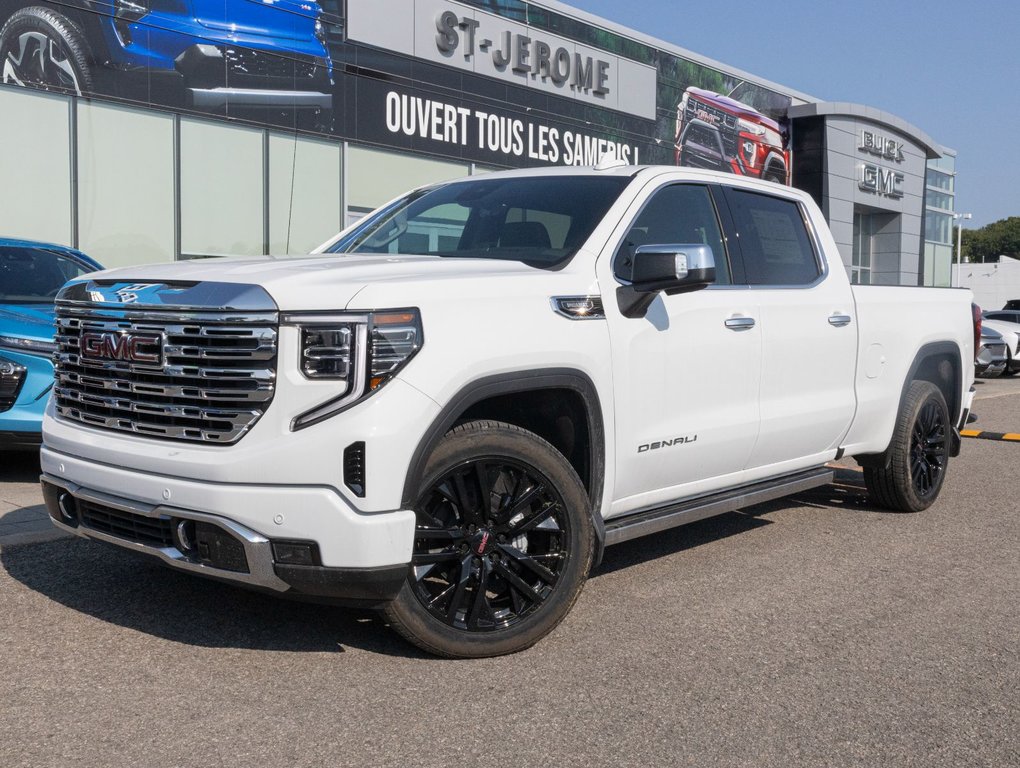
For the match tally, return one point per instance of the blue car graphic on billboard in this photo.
(261, 59)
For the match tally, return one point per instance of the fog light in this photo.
(68, 507)
(295, 552)
(184, 535)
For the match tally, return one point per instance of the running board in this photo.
(680, 513)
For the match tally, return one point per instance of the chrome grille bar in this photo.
(214, 377)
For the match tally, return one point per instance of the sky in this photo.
(951, 69)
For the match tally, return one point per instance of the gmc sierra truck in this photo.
(457, 404)
(721, 133)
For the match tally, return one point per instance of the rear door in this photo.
(808, 326)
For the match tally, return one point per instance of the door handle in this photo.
(838, 321)
(740, 323)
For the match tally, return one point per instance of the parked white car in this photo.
(1010, 333)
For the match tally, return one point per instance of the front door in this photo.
(686, 374)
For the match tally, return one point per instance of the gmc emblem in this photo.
(144, 348)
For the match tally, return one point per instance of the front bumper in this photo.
(221, 76)
(357, 556)
(211, 546)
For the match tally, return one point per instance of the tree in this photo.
(1000, 238)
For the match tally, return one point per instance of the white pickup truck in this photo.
(454, 408)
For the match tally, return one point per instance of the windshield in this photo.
(34, 275)
(539, 220)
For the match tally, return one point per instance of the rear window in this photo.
(539, 220)
(774, 241)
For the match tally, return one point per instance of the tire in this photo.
(918, 454)
(1008, 370)
(43, 49)
(531, 541)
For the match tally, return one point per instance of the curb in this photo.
(1008, 437)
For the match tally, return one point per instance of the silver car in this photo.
(991, 355)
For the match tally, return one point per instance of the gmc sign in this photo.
(143, 348)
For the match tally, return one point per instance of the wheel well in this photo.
(556, 415)
(942, 370)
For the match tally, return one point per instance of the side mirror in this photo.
(672, 268)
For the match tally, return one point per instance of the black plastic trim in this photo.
(361, 585)
(513, 383)
(20, 441)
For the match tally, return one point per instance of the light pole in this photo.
(959, 218)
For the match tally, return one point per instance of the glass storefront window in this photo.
(304, 193)
(864, 232)
(222, 203)
(118, 228)
(938, 227)
(940, 180)
(35, 197)
(941, 200)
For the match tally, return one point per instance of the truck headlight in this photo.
(394, 339)
(327, 352)
(360, 352)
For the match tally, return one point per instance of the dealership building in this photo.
(155, 130)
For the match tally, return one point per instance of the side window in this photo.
(682, 214)
(774, 242)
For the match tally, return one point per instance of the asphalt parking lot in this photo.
(814, 631)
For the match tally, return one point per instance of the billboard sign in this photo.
(498, 82)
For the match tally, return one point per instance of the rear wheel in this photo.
(918, 454)
(503, 544)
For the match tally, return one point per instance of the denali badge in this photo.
(144, 348)
(667, 443)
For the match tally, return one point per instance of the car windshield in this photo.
(34, 275)
(538, 220)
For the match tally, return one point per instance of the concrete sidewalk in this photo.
(23, 518)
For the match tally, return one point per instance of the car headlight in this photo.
(31, 346)
(360, 352)
(12, 376)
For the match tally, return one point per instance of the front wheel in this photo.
(918, 454)
(43, 49)
(503, 544)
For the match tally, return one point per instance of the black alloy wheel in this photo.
(928, 450)
(908, 477)
(503, 543)
(491, 541)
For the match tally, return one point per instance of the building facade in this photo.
(156, 130)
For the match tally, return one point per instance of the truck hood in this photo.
(27, 321)
(323, 282)
(280, 19)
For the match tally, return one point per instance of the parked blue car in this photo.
(220, 56)
(30, 276)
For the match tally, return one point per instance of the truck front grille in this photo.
(151, 531)
(724, 121)
(262, 64)
(194, 376)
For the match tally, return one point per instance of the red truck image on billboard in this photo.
(723, 134)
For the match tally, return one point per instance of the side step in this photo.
(632, 526)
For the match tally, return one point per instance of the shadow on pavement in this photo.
(19, 467)
(135, 592)
(138, 593)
